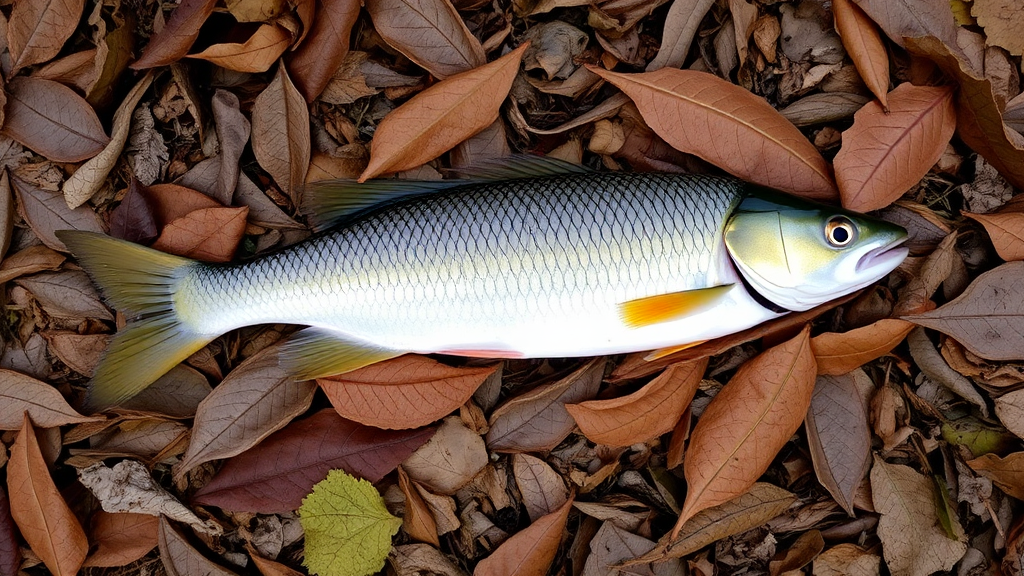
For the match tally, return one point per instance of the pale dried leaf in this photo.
(36, 31)
(450, 459)
(21, 394)
(429, 32)
(542, 488)
(280, 133)
(681, 22)
(1006, 472)
(1010, 410)
(53, 120)
(901, 19)
(823, 107)
(66, 294)
(180, 558)
(46, 211)
(839, 436)
(613, 545)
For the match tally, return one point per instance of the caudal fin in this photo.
(140, 282)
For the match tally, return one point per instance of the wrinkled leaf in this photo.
(884, 153)
(846, 560)
(30, 261)
(430, 33)
(36, 31)
(406, 392)
(180, 31)
(45, 211)
(747, 423)
(647, 413)
(52, 119)
(208, 234)
(21, 394)
(838, 353)
(121, 539)
(1002, 22)
(1006, 472)
(435, 120)
(728, 126)
(864, 45)
(280, 133)
(273, 476)
(180, 558)
(255, 55)
(450, 459)
(542, 488)
(1010, 409)
(313, 64)
(530, 551)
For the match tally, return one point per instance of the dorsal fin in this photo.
(330, 202)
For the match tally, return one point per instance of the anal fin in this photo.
(672, 306)
(317, 352)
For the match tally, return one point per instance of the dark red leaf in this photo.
(181, 30)
(133, 219)
(10, 554)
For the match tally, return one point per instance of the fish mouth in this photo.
(885, 257)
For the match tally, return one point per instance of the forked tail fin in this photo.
(140, 282)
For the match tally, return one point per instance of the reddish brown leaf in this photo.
(701, 114)
(255, 55)
(44, 519)
(538, 420)
(254, 400)
(435, 120)
(320, 54)
(405, 392)
(1006, 231)
(280, 133)
(647, 413)
(417, 521)
(530, 551)
(36, 31)
(209, 234)
(121, 539)
(746, 425)
(885, 154)
(179, 33)
(276, 474)
(838, 353)
(133, 219)
(29, 261)
(21, 394)
(170, 202)
(269, 567)
(53, 120)
(864, 45)
(430, 33)
(10, 552)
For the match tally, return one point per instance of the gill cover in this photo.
(798, 254)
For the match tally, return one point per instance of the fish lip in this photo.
(887, 256)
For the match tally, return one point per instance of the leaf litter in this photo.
(560, 463)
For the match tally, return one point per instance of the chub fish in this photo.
(531, 258)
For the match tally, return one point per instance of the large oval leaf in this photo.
(322, 52)
(53, 120)
(21, 394)
(529, 552)
(37, 30)
(838, 353)
(280, 133)
(429, 32)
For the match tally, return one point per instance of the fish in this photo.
(528, 258)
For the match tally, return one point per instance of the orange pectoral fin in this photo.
(672, 306)
(662, 352)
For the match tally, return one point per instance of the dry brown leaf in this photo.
(838, 353)
(1010, 410)
(319, 55)
(36, 31)
(269, 567)
(885, 154)
(913, 540)
(1006, 230)
(530, 551)
(435, 120)
(450, 459)
(29, 261)
(52, 119)
(44, 519)
(988, 318)
(647, 413)
(747, 423)
(1003, 21)
(846, 560)
(176, 394)
(177, 36)
(254, 400)
(537, 420)
(255, 55)
(417, 522)
(612, 545)
(21, 394)
(823, 107)
(66, 294)
(681, 22)
(1007, 472)
(864, 45)
(180, 558)
(728, 126)
(901, 19)
(208, 234)
(10, 549)
(492, 142)
(751, 509)
(430, 33)
(542, 488)
(405, 392)
(838, 435)
(120, 539)
(90, 177)
(233, 131)
(171, 201)
(280, 133)
(7, 210)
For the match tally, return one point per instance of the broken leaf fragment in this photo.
(348, 529)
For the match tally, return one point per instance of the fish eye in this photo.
(840, 231)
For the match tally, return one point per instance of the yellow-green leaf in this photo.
(348, 529)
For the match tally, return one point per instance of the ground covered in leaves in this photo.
(877, 434)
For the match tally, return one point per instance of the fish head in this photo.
(798, 254)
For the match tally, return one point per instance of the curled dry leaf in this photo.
(180, 31)
(934, 366)
(254, 400)
(988, 318)
(21, 394)
(885, 154)
(542, 488)
(701, 114)
(280, 133)
(823, 107)
(255, 55)
(208, 234)
(6, 211)
(269, 567)
(36, 31)
(52, 119)
(418, 522)
(838, 353)
(838, 435)
(452, 457)
(1006, 472)
(430, 33)
(405, 392)
(435, 120)
(180, 558)
(120, 539)
(913, 540)
(746, 425)
(1006, 230)
(49, 527)
(647, 413)
(29, 261)
(681, 22)
(1002, 22)
(612, 545)
(864, 45)
(530, 551)
(322, 52)
(277, 473)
